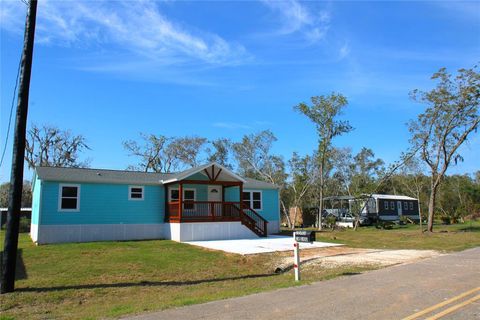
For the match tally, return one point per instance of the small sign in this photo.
(304, 236)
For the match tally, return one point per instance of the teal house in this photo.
(208, 202)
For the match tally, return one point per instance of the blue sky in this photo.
(110, 69)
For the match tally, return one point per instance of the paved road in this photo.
(391, 293)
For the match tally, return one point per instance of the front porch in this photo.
(213, 194)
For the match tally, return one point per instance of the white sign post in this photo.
(296, 258)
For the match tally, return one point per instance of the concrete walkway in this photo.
(258, 245)
(390, 293)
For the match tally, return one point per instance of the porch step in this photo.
(255, 222)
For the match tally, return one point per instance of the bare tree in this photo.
(52, 147)
(324, 113)
(254, 158)
(163, 154)
(450, 117)
(413, 181)
(302, 170)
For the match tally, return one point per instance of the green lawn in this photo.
(111, 279)
(444, 238)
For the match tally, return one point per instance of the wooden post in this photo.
(7, 282)
(240, 187)
(296, 258)
(223, 201)
(180, 200)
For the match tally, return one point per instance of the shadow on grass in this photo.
(470, 229)
(20, 270)
(142, 284)
(351, 273)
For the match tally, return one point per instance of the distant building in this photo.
(387, 207)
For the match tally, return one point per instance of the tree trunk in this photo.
(294, 217)
(431, 206)
(320, 205)
(285, 213)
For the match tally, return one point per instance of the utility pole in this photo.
(7, 283)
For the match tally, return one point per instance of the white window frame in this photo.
(183, 196)
(411, 205)
(392, 205)
(60, 196)
(386, 205)
(405, 205)
(130, 193)
(251, 199)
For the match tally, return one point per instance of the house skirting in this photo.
(201, 231)
(194, 231)
(43, 234)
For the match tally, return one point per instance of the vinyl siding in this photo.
(270, 207)
(37, 187)
(103, 204)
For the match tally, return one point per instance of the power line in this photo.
(11, 112)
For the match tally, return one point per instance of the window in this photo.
(69, 199)
(174, 194)
(135, 193)
(253, 199)
(411, 205)
(392, 205)
(385, 205)
(405, 205)
(188, 195)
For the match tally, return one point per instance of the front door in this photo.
(399, 208)
(215, 199)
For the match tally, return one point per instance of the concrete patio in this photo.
(258, 245)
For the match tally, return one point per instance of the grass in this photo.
(113, 279)
(445, 238)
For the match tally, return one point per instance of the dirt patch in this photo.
(343, 256)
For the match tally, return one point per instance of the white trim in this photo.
(251, 198)
(130, 193)
(199, 169)
(183, 195)
(60, 186)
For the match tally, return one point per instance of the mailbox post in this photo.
(300, 236)
(296, 257)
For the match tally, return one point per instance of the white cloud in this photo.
(134, 26)
(344, 51)
(298, 18)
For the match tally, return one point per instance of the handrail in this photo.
(204, 211)
(260, 223)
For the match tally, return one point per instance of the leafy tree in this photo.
(26, 194)
(219, 152)
(52, 147)
(324, 112)
(450, 117)
(255, 160)
(364, 169)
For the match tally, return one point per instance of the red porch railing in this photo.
(200, 211)
(209, 211)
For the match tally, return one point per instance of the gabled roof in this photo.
(89, 175)
(99, 175)
(257, 184)
(224, 173)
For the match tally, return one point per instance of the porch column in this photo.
(240, 187)
(180, 200)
